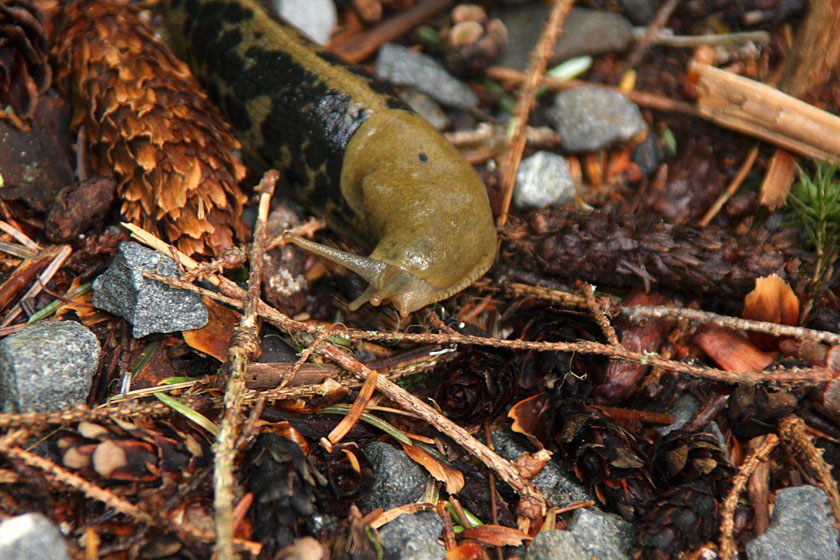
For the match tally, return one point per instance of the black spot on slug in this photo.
(423, 157)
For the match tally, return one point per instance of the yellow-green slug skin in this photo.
(348, 148)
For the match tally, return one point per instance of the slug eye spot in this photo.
(423, 157)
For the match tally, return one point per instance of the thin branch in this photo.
(527, 95)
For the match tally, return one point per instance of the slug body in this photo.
(349, 149)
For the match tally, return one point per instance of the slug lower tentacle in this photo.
(349, 150)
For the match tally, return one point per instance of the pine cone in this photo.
(148, 122)
(284, 491)
(24, 69)
(606, 459)
(687, 515)
(476, 385)
(681, 520)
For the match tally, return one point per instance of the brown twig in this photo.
(359, 47)
(732, 188)
(727, 543)
(244, 347)
(536, 70)
(588, 291)
(792, 430)
(800, 333)
(643, 99)
(642, 46)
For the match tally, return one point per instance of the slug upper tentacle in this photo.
(349, 150)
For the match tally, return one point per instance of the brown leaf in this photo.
(772, 301)
(468, 550)
(731, 350)
(213, 339)
(496, 535)
(452, 478)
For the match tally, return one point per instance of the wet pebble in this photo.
(403, 67)
(590, 118)
(150, 306)
(316, 18)
(47, 366)
(543, 179)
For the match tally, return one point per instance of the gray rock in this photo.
(426, 107)
(403, 67)
(801, 528)
(150, 306)
(590, 118)
(554, 481)
(47, 366)
(542, 180)
(682, 410)
(640, 12)
(602, 535)
(553, 545)
(413, 536)
(32, 537)
(316, 18)
(591, 32)
(648, 155)
(399, 480)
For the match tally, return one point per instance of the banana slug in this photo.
(349, 150)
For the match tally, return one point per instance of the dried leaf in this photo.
(496, 535)
(213, 339)
(731, 350)
(453, 479)
(773, 301)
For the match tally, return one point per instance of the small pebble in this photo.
(47, 366)
(585, 32)
(150, 306)
(648, 155)
(399, 480)
(316, 18)
(590, 118)
(640, 12)
(403, 67)
(602, 535)
(31, 536)
(554, 545)
(542, 180)
(558, 485)
(413, 536)
(801, 528)
(682, 409)
(426, 107)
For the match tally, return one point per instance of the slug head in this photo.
(386, 282)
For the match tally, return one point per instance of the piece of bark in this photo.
(79, 206)
(811, 64)
(763, 111)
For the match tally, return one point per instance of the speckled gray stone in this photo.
(403, 67)
(801, 528)
(556, 483)
(590, 118)
(426, 107)
(316, 18)
(585, 31)
(31, 536)
(543, 179)
(47, 366)
(554, 545)
(602, 535)
(150, 306)
(399, 480)
(648, 155)
(682, 409)
(413, 537)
